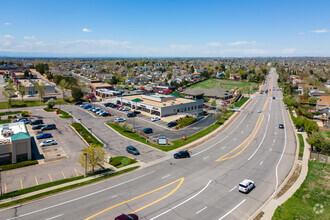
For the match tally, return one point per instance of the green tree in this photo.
(218, 116)
(95, 158)
(192, 69)
(77, 93)
(312, 100)
(213, 103)
(51, 103)
(318, 143)
(26, 74)
(21, 90)
(8, 93)
(311, 126)
(40, 88)
(126, 126)
(63, 86)
(113, 80)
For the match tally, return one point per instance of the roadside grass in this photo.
(325, 133)
(64, 114)
(20, 104)
(5, 121)
(311, 200)
(301, 146)
(10, 113)
(240, 102)
(176, 143)
(86, 135)
(121, 161)
(28, 190)
(18, 165)
(183, 122)
(242, 86)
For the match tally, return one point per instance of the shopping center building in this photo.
(162, 105)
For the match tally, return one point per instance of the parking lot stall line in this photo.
(80, 172)
(76, 172)
(51, 180)
(5, 188)
(63, 175)
(36, 180)
(21, 184)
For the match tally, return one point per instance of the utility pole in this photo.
(85, 164)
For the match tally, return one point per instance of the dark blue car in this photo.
(45, 135)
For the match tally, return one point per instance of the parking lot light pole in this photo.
(85, 164)
(0, 183)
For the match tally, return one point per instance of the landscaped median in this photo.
(121, 161)
(176, 143)
(86, 135)
(57, 187)
(63, 114)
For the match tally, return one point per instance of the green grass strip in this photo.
(10, 113)
(88, 137)
(67, 187)
(18, 165)
(121, 161)
(5, 121)
(301, 145)
(241, 102)
(20, 104)
(64, 114)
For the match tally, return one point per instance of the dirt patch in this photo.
(291, 181)
(259, 216)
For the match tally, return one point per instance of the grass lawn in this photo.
(10, 113)
(325, 133)
(301, 146)
(240, 102)
(311, 200)
(87, 136)
(18, 165)
(5, 121)
(64, 114)
(121, 161)
(183, 122)
(242, 86)
(20, 104)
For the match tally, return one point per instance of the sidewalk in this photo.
(272, 205)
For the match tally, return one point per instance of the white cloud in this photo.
(29, 38)
(7, 23)
(86, 30)
(321, 31)
(289, 51)
(240, 43)
(7, 36)
(214, 44)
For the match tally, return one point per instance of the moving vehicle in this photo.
(273, 97)
(37, 127)
(281, 126)
(120, 119)
(36, 122)
(45, 135)
(155, 119)
(259, 110)
(47, 143)
(171, 124)
(182, 154)
(127, 217)
(48, 127)
(132, 150)
(147, 130)
(246, 186)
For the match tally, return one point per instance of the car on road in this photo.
(132, 150)
(171, 124)
(120, 119)
(246, 186)
(182, 154)
(281, 126)
(48, 127)
(147, 130)
(131, 114)
(45, 135)
(47, 143)
(273, 97)
(155, 119)
(259, 110)
(78, 103)
(36, 122)
(37, 127)
(127, 217)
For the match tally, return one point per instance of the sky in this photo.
(159, 28)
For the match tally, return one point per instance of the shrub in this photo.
(20, 164)
(26, 114)
(51, 103)
(115, 162)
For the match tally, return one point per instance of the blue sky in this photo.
(134, 28)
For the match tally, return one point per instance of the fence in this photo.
(320, 157)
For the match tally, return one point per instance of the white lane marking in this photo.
(201, 210)
(233, 189)
(276, 170)
(275, 132)
(113, 196)
(235, 139)
(242, 132)
(257, 99)
(54, 217)
(183, 201)
(82, 197)
(220, 140)
(270, 149)
(262, 139)
(261, 163)
(274, 141)
(232, 210)
(223, 147)
(206, 157)
(166, 176)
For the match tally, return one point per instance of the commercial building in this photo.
(216, 93)
(29, 85)
(15, 143)
(162, 105)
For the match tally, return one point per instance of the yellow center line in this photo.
(51, 180)
(21, 184)
(247, 143)
(63, 174)
(242, 142)
(36, 180)
(137, 197)
(265, 105)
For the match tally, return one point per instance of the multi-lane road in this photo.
(201, 187)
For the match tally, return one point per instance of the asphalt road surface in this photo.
(201, 187)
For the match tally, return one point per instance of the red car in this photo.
(127, 217)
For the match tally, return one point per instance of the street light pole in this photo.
(85, 164)
(0, 183)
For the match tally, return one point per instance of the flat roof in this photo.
(14, 127)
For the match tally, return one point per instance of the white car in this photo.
(246, 186)
(236, 110)
(155, 119)
(47, 143)
(120, 119)
(259, 110)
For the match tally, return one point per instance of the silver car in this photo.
(47, 143)
(246, 186)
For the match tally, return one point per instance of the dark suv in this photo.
(132, 150)
(36, 122)
(172, 124)
(48, 127)
(147, 130)
(182, 154)
(127, 217)
(131, 114)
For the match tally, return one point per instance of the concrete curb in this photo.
(89, 132)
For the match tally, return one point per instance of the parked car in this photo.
(172, 124)
(273, 97)
(132, 150)
(246, 186)
(131, 114)
(25, 120)
(236, 110)
(127, 217)
(107, 104)
(182, 154)
(147, 130)
(82, 105)
(259, 110)
(78, 103)
(96, 109)
(104, 114)
(281, 126)
(87, 106)
(37, 127)
(112, 105)
(136, 112)
(45, 135)
(47, 143)
(120, 119)
(48, 127)
(125, 109)
(36, 122)
(155, 119)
